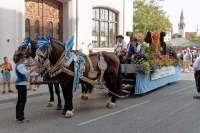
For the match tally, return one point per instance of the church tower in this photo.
(181, 26)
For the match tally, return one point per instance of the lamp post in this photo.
(76, 24)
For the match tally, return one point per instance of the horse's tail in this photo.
(119, 79)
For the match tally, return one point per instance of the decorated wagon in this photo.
(155, 66)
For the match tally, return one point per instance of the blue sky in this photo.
(191, 9)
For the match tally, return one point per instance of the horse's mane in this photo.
(58, 42)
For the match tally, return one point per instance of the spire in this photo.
(181, 25)
(182, 15)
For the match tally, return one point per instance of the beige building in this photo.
(95, 22)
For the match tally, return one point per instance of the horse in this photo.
(28, 48)
(31, 52)
(53, 51)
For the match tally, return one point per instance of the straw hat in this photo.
(119, 36)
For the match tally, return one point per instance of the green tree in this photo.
(149, 16)
(194, 38)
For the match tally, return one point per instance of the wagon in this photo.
(138, 83)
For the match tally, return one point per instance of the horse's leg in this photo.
(69, 100)
(86, 88)
(64, 88)
(67, 86)
(51, 100)
(113, 84)
(112, 99)
(84, 91)
(57, 90)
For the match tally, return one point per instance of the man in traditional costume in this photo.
(120, 46)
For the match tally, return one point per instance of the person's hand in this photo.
(38, 69)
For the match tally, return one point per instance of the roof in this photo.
(182, 42)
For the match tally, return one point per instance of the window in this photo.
(104, 27)
(37, 27)
(50, 28)
(57, 32)
(27, 28)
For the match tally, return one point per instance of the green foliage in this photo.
(146, 67)
(171, 51)
(145, 50)
(195, 39)
(176, 62)
(149, 16)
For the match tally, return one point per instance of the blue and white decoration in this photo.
(79, 67)
(69, 43)
(41, 41)
(26, 42)
(70, 56)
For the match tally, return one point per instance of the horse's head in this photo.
(42, 52)
(31, 49)
(49, 51)
(45, 46)
(27, 48)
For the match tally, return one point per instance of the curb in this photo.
(29, 96)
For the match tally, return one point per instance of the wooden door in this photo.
(43, 16)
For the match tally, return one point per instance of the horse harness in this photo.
(62, 66)
(65, 61)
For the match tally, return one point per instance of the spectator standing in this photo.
(196, 66)
(187, 60)
(6, 69)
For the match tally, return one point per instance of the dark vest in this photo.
(20, 77)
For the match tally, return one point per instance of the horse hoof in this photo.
(63, 112)
(69, 114)
(110, 105)
(50, 104)
(59, 107)
(84, 97)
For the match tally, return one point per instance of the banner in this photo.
(163, 72)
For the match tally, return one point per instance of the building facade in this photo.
(94, 22)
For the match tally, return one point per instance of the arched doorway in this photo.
(44, 16)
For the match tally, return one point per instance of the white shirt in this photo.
(196, 64)
(22, 69)
(138, 48)
(120, 46)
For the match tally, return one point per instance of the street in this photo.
(170, 109)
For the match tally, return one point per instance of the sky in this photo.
(191, 10)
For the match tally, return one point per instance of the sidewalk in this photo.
(42, 90)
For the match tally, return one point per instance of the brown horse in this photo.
(111, 76)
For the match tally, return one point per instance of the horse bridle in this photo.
(43, 58)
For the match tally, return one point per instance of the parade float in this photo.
(155, 66)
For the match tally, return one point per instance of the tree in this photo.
(195, 38)
(149, 16)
